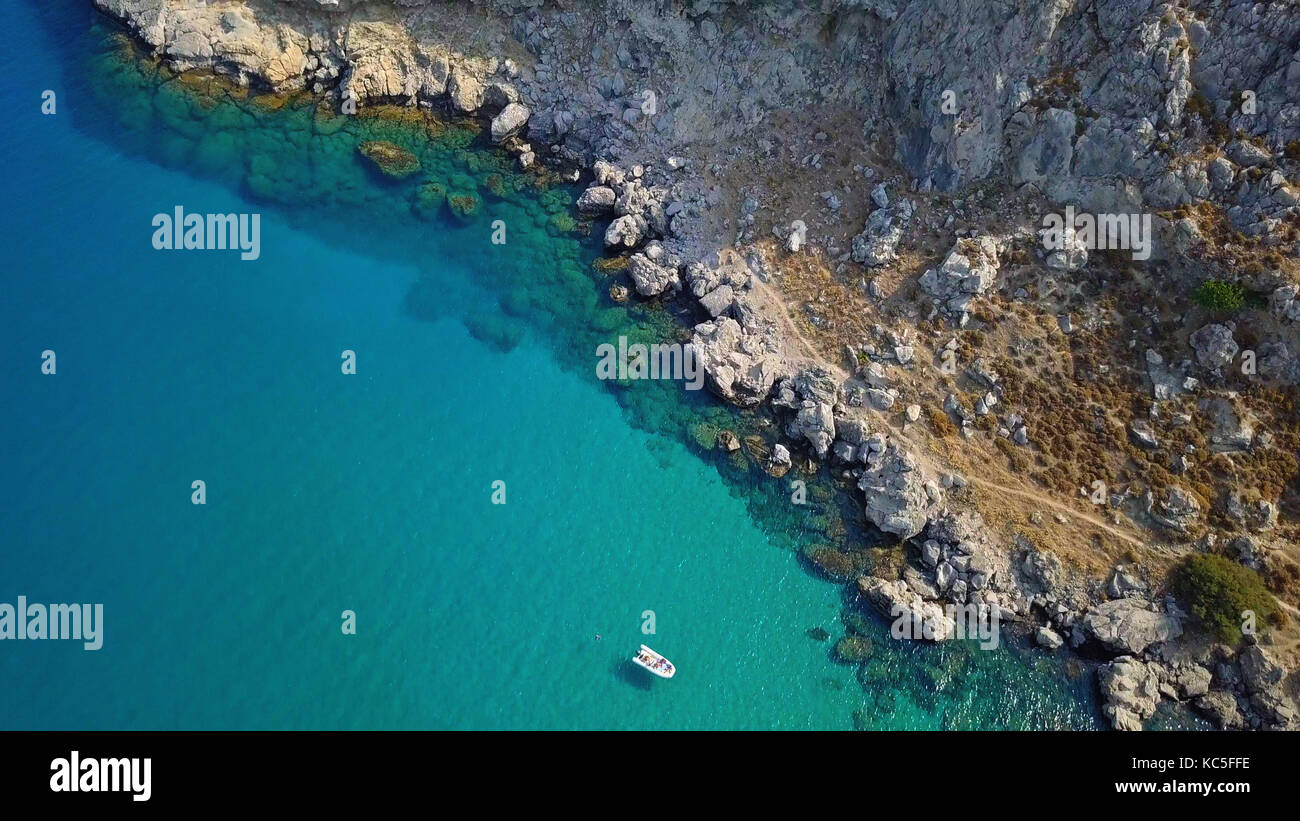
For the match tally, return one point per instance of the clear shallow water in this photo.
(372, 492)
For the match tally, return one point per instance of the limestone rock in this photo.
(914, 617)
(650, 278)
(814, 422)
(1131, 690)
(596, 201)
(625, 232)
(899, 496)
(1178, 510)
(1221, 708)
(1049, 638)
(1214, 345)
(1130, 625)
(1259, 672)
(466, 91)
(741, 364)
(969, 270)
(509, 122)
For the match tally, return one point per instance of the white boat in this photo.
(654, 662)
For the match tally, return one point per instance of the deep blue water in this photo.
(370, 492)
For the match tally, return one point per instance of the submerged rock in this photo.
(393, 160)
(465, 206)
(429, 200)
(728, 441)
(832, 563)
(853, 649)
(817, 634)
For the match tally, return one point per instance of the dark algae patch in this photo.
(392, 160)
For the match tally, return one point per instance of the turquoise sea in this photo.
(372, 492)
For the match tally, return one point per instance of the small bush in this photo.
(1199, 104)
(1217, 591)
(940, 423)
(1217, 295)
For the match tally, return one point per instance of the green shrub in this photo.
(1217, 591)
(1217, 295)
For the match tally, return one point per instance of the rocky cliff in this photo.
(868, 176)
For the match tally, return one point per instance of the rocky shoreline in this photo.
(666, 113)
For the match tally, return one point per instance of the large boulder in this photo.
(811, 395)
(596, 201)
(1233, 426)
(877, 245)
(976, 556)
(627, 231)
(1214, 346)
(466, 91)
(1191, 680)
(741, 363)
(815, 422)
(1131, 690)
(969, 270)
(1220, 706)
(718, 301)
(1178, 510)
(509, 122)
(1259, 672)
(900, 497)
(1130, 625)
(650, 277)
(913, 617)
(1040, 571)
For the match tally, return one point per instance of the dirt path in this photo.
(1047, 501)
(781, 313)
(769, 296)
